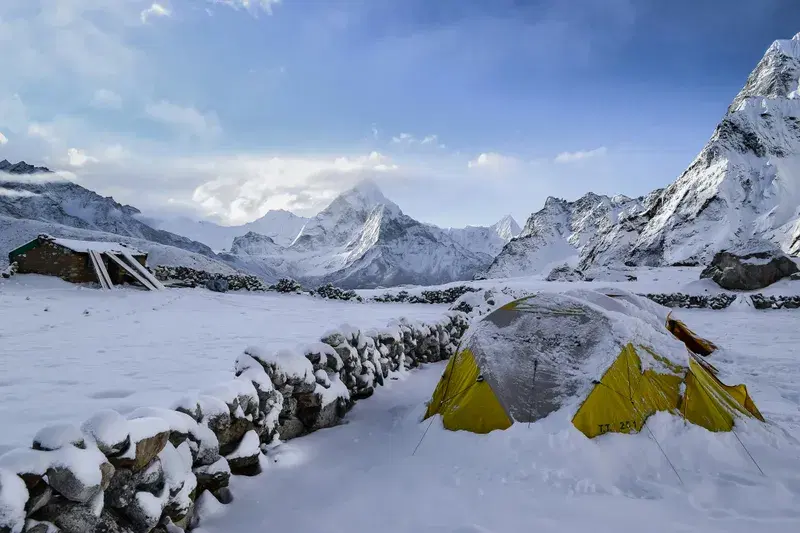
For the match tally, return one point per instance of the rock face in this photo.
(750, 271)
(561, 231)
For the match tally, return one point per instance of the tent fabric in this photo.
(465, 400)
(536, 355)
(692, 340)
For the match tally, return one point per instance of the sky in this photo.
(462, 111)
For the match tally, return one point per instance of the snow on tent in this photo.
(606, 358)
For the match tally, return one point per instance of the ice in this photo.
(13, 497)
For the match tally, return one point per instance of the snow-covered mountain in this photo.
(486, 240)
(35, 193)
(364, 240)
(279, 225)
(743, 186)
(34, 200)
(559, 232)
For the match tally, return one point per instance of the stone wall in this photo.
(692, 301)
(50, 259)
(775, 302)
(158, 469)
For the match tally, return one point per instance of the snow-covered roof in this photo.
(97, 246)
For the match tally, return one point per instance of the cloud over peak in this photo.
(569, 157)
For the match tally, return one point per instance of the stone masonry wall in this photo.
(157, 469)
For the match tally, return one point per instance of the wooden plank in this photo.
(131, 271)
(143, 271)
(100, 270)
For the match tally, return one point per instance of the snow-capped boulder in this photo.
(564, 273)
(109, 431)
(750, 271)
(217, 285)
(245, 460)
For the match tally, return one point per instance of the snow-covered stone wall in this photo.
(161, 470)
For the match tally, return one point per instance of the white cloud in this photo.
(42, 131)
(78, 158)
(430, 139)
(105, 98)
(3, 139)
(250, 5)
(569, 157)
(246, 187)
(186, 119)
(155, 10)
(403, 138)
(493, 161)
(408, 139)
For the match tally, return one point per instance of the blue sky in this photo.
(461, 110)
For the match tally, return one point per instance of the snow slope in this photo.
(70, 351)
(487, 240)
(35, 193)
(361, 239)
(279, 225)
(386, 471)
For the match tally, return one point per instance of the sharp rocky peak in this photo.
(20, 168)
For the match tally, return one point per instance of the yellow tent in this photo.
(538, 354)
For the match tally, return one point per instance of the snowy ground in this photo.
(649, 280)
(363, 477)
(138, 348)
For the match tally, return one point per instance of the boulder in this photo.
(57, 436)
(109, 430)
(564, 273)
(145, 511)
(38, 496)
(245, 459)
(70, 517)
(213, 477)
(217, 285)
(290, 428)
(749, 271)
(148, 437)
(121, 490)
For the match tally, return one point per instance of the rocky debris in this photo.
(693, 301)
(287, 285)
(751, 271)
(335, 293)
(194, 277)
(564, 273)
(10, 270)
(437, 296)
(775, 302)
(217, 285)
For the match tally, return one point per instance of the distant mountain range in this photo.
(743, 187)
(361, 239)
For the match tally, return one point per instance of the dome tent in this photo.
(608, 358)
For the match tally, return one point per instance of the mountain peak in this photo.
(20, 168)
(368, 190)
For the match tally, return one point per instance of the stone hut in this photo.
(109, 263)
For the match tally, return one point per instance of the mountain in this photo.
(486, 240)
(34, 200)
(559, 232)
(281, 226)
(744, 186)
(362, 240)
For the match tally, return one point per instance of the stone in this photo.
(57, 436)
(64, 481)
(230, 437)
(121, 490)
(109, 430)
(151, 479)
(145, 449)
(750, 271)
(291, 428)
(213, 477)
(245, 459)
(144, 512)
(217, 285)
(564, 273)
(70, 517)
(38, 496)
(224, 495)
(314, 415)
(795, 276)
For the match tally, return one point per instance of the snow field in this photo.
(366, 476)
(70, 351)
